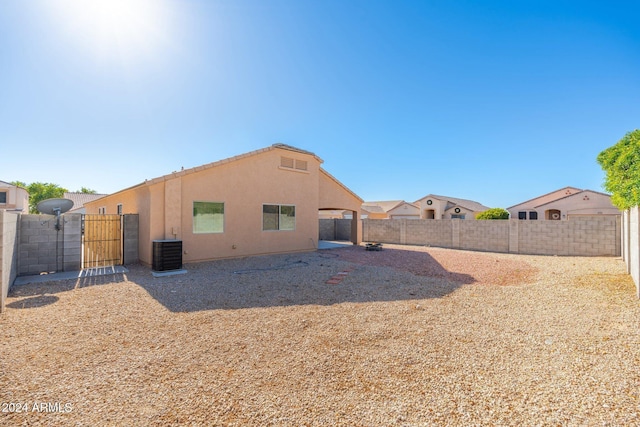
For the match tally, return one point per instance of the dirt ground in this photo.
(407, 336)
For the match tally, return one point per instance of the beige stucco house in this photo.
(563, 204)
(262, 202)
(13, 198)
(390, 209)
(444, 207)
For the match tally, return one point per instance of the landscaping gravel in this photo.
(406, 336)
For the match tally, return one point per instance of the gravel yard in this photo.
(408, 336)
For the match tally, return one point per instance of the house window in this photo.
(522, 215)
(119, 209)
(102, 210)
(208, 217)
(278, 217)
(533, 215)
(3, 197)
(457, 216)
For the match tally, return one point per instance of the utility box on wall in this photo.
(167, 255)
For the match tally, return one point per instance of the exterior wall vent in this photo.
(167, 255)
(286, 162)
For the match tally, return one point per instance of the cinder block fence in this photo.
(579, 236)
(32, 244)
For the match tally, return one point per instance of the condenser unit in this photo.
(167, 255)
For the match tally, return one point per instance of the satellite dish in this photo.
(54, 206)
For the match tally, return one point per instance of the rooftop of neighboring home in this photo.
(554, 196)
(79, 199)
(381, 206)
(455, 201)
(548, 197)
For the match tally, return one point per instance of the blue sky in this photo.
(495, 101)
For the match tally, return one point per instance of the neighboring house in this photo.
(390, 209)
(13, 198)
(563, 204)
(265, 201)
(334, 214)
(443, 207)
(79, 199)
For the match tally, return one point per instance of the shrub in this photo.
(494, 213)
(621, 163)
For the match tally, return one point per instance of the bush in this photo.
(621, 163)
(494, 213)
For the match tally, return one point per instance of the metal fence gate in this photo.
(101, 240)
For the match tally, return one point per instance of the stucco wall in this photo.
(582, 236)
(244, 184)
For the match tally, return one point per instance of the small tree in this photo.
(621, 163)
(494, 213)
(85, 190)
(39, 191)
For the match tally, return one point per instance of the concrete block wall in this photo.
(492, 236)
(8, 253)
(72, 232)
(335, 229)
(429, 233)
(382, 230)
(42, 248)
(580, 236)
(130, 244)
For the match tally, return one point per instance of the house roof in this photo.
(465, 203)
(568, 191)
(574, 195)
(183, 172)
(8, 184)
(79, 199)
(381, 206)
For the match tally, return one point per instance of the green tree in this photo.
(494, 213)
(621, 163)
(39, 191)
(85, 190)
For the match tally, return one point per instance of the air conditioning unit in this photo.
(167, 255)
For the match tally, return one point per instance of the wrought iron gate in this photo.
(101, 240)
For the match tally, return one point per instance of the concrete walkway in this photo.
(332, 244)
(66, 275)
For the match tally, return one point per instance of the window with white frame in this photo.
(102, 210)
(119, 209)
(278, 217)
(208, 217)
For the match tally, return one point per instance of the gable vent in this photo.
(286, 162)
(301, 165)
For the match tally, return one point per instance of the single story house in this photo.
(262, 202)
(13, 198)
(390, 209)
(433, 206)
(564, 203)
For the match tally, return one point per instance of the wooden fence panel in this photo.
(102, 241)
